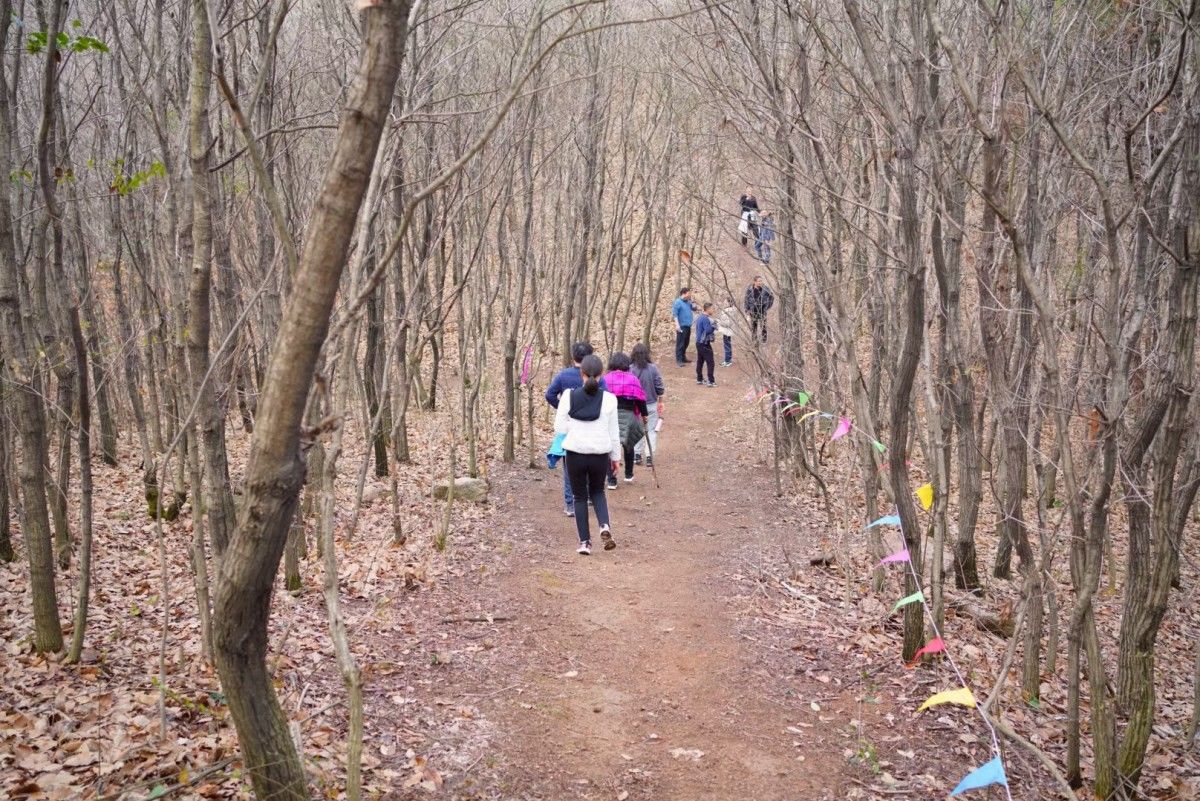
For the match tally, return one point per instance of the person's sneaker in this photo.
(628, 479)
(698, 381)
(612, 483)
(637, 458)
(569, 511)
(585, 548)
(606, 538)
(726, 364)
(649, 462)
(710, 383)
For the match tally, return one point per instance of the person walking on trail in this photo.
(759, 300)
(567, 379)
(748, 227)
(647, 372)
(727, 320)
(706, 331)
(681, 312)
(587, 415)
(748, 201)
(766, 235)
(631, 408)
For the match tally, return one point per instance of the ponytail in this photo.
(591, 368)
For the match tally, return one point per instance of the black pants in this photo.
(682, 337)
(588, 472)
(758, 327)
(704, 356)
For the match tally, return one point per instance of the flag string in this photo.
(991, 772)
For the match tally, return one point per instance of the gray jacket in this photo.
(652, 381)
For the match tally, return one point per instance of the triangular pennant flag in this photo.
(898, 556)
(908, 599)
(989, 773)
(925, 493)
(962, 696)
(935, 646)
(879, 446)
(886, 520)
(802, 398)
(843, 428)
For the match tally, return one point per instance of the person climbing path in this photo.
(587, 416)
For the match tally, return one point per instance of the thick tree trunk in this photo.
(276, 469)
(28, 414)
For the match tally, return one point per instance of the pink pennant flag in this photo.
(527, 365)
(898, 556)
(935, 646)
(843, 428)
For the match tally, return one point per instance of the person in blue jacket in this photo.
(681, 311)
(706, 331)
(567, 379)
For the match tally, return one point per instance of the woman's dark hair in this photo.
(618, 361)
(592, 367)
(640, 355)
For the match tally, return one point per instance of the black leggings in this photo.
(588, 472)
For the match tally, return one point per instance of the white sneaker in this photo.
(628, 479)
(585, 548)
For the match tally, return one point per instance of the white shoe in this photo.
(629, 479)
(585, 548)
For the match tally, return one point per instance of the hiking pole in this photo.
(650, 450)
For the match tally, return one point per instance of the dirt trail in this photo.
(633, 654)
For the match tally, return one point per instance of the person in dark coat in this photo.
(759, 300)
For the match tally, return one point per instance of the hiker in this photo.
(748, 227)
(705, 333)
(631, 409)
(726, 321)
(681, 311)
(748, 201)
(567, 379)
(759, 300)
(643, 366)
(766, 235)
(588, 417)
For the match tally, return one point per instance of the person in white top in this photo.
(588, 416)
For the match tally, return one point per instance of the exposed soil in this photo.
(629, 671)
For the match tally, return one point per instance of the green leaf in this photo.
(158, 792)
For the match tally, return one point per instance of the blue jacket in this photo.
(705, 329)
(567, 379)
(682, 311)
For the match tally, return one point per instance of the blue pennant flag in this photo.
(989, 773)
(888, 520)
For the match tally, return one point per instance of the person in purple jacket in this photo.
(566, 380)
(631, 405)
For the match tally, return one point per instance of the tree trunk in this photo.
(275, 471)
(28, 415)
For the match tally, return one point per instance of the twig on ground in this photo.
(1038, 754)
(479, 619)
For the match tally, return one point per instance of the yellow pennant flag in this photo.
(925, 493)
(962, 696)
